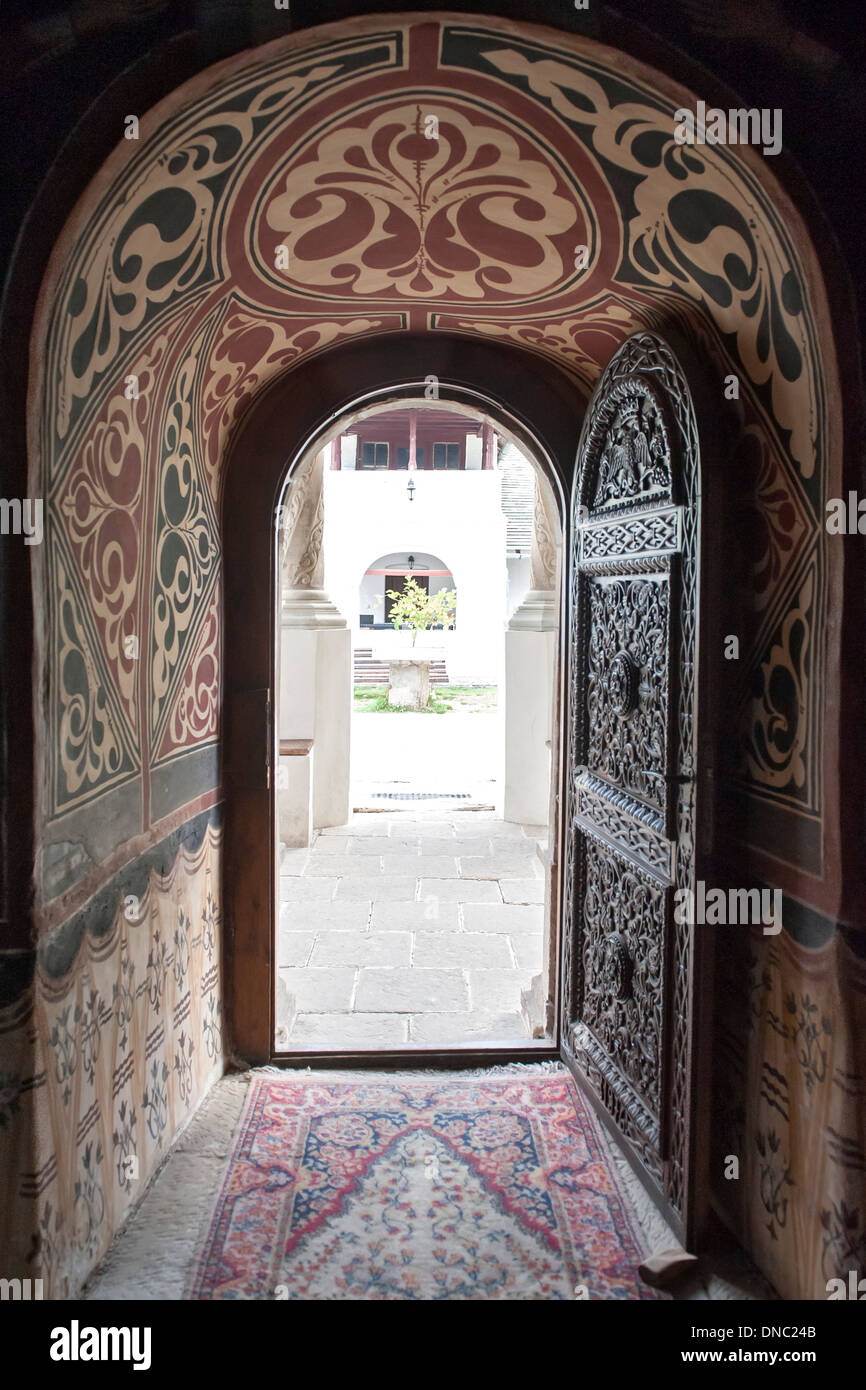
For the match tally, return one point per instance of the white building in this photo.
(428, 493)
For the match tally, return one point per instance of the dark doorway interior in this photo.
(394, 583)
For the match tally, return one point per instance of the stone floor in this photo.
(410, 928)
(455, 752)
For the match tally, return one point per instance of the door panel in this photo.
(627, 965)
(627, 682)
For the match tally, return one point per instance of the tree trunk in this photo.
(409, 683)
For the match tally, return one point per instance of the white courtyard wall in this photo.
(456, 516)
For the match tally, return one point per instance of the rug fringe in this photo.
(505, 1069)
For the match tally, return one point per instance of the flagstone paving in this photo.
(401, 929)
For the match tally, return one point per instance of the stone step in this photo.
(374, 671)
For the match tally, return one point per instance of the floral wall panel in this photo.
(790, 1077)
(127, 1040)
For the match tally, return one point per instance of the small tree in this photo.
(414, 608)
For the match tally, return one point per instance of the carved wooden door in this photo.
(628, 973)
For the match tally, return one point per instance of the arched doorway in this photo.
(386, 572)
(468, 794)
(251, 641)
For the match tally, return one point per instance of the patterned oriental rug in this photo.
(492, 1186)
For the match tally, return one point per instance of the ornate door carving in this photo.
(627, 965)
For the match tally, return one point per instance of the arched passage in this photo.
(499, 760)
(210, 256)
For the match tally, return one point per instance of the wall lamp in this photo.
(410, 488)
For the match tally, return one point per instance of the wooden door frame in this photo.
(541, 409)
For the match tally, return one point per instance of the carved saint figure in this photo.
(634, 457)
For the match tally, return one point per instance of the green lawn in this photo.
(373, 699)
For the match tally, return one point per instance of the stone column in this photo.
(488, 461)
(315, 699)
(530, 658)
(413, 440)
(530, 701)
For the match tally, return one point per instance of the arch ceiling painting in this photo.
(170, 272)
